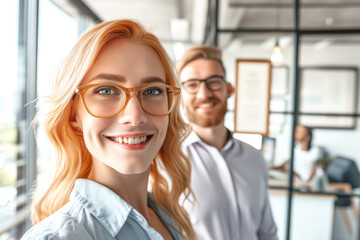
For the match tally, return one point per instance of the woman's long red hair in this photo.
(74, 160)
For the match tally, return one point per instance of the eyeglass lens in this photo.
(212, 83)
(107, 100)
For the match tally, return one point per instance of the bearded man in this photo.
(229, 177)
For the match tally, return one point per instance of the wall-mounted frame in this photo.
(279, 81)
(252, 96)
(328, 97)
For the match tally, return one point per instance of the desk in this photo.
(312, 215)
(280, 179)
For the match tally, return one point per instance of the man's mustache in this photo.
(208, 100)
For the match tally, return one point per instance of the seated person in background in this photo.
(306, 157)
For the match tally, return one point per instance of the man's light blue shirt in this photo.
(230, 187)
(96, 212)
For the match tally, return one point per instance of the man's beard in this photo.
(206, 119)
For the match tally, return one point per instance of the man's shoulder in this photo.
(247, 148)
(248, 154)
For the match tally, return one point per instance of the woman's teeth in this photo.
(129, 140)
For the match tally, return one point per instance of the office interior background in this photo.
(315, 84)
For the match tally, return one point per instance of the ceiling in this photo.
(185, 20)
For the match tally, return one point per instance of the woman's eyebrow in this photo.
(122, 79)
(153, 80)
(107, 76)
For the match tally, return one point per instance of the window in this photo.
(57, 33)
(11, 123)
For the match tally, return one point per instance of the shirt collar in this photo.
(191, 139)
(194, 138)
(229, 142)
(102, 203)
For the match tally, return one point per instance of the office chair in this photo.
(344, 176)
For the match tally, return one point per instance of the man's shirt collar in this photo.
(194, 138)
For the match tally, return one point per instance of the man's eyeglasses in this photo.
(213, 83)
(107, 100)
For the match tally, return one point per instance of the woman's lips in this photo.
(131, 143)
(129, 140)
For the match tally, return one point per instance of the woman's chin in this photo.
(133, 170)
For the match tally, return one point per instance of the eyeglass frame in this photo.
(81, 90)
(205, 81)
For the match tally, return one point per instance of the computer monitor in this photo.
(268, 146)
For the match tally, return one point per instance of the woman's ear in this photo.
(74, 121)
(230, 89)
(75, 124)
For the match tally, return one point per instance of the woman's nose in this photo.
(133, 113)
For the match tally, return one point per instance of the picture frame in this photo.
(252, 96)
(328, 97)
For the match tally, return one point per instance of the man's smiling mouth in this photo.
(205, 105)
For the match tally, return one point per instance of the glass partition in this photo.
(330, 14)
(257, 14)
(325, 177)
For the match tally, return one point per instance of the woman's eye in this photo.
(105, 91)
(152, 91)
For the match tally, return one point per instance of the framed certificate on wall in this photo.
(252, 96)
(328, 97)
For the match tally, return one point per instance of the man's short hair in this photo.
(200, 52)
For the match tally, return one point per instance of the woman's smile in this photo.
(131, 142)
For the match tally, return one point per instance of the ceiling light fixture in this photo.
(276, 56)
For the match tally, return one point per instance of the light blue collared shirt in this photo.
(96, 212)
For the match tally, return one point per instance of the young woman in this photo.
(306, 157)
(113, 118)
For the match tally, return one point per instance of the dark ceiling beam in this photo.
(259, 30)
(290, 30)
(291, 5)
(329, 31)
(84, 9)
